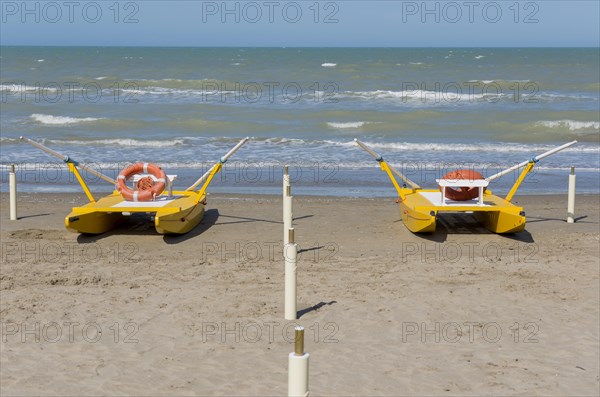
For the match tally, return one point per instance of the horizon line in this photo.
(284, 47)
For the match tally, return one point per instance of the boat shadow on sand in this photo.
(142, 225)
(467, 224)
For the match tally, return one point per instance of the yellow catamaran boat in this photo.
(420, 207)
(174, 212)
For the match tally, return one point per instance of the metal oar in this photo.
(221, 161)
(535, 159)
(67, 159)
(380, 159)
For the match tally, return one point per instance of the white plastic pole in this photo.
(536, 158)
(571, 199)
(45, 149)
(202, 178)
(367, 149)
(67, 159)
(394, 170)
(287, 205)
(290, 252)
(223, 160)
(286, 178)
(298, 362)
(287, 216)
(12, 185)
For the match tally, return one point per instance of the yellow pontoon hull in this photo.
(502, 222)
(93, 222)
(420, 207)
(180, 222)
(171, 216)
(415, 220)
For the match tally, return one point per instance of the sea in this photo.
(427, 111)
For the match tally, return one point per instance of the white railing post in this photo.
(571, 197)
(287, 204)
(12, 186)
(290, 252)
(298, 362)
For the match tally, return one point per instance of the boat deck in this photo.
(431, 200)
(435, 198)
(161, 201)
(177, 214)
(116, 203)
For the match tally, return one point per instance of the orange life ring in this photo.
(147, 188)
(463, 193)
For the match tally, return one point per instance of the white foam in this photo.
(482, 81)
(329, 65)
(209, 94)
(572, 125)
(547, 96)
(502, 147)
(101, 77)
(479, 56)
(41, 60)
(121, 142)
(498, 81)
(346, 125)
(338, 143)
(61, 120)
(283, 141)
(420, 95)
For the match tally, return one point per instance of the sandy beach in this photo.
(387, 312)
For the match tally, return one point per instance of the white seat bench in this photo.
(479, 183)
(170, 179)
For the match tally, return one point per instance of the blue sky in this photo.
(553, 23)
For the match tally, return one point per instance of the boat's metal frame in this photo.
(178, 212)
(174, 212)
(419, 211)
